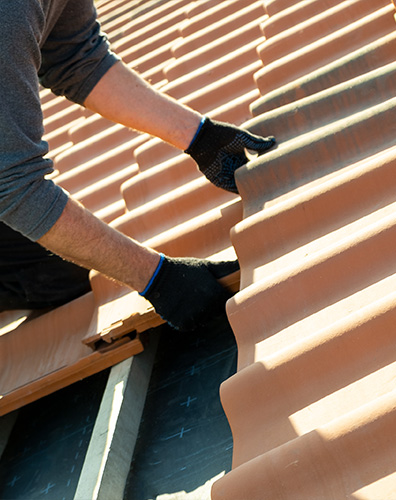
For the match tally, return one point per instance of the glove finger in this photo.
(256, 143)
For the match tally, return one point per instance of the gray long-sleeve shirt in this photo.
(59, 43)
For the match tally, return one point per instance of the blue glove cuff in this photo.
(197, 132)
(162, 258)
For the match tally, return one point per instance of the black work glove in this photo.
(219, 149)
(185, 291)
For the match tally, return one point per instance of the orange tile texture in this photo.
(312, 406)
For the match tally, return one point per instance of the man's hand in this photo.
(219, 149)
(185, 291)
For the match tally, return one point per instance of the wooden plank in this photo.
(112, 443)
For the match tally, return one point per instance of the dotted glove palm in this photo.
(185, 291)
(219, 149)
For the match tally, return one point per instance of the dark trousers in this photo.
(31, 277)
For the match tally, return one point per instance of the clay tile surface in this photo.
(312, 406)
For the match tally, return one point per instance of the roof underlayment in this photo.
(312, 406)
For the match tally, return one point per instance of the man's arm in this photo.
(124, 97)
(218, 148)
(78, 236)
(184, 291)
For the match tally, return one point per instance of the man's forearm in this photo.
(124, 97)
(79, 237)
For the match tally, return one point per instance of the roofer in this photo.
(59, 44)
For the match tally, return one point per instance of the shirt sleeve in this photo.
(70, 60)
(29, 203)
(76, 54)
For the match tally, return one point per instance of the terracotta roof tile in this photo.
(149, 19)
(326, 49)
(217, 48)
(214, 29)
(293, 15)
(367, 58)
(210, 14)
(315, 27)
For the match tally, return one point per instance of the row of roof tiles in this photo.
(312, 407)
